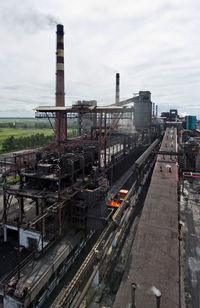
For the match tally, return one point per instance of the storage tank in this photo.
(191, 122)
(143, 110)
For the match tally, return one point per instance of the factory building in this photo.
(79, 192)
(143, 110)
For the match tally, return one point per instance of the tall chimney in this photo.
(61, 121)
(117, 89)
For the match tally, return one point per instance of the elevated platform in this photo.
(154, 257)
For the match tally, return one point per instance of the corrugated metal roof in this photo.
(52, 108)
(77, 108)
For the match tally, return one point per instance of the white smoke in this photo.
(126, 126)
(155, 291)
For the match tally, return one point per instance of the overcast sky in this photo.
(153, 44)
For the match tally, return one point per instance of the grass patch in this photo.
(27, 132)
(22, 132)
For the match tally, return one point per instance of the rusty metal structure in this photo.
(16, 161)
(60, 202)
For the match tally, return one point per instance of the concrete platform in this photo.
(154, 257)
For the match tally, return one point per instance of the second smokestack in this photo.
(117, 89)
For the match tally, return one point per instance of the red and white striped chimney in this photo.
(61, 121)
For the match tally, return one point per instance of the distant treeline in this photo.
(24, 125)
(31, 124)
(11, 143)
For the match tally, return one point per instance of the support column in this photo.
(43, 222)
(109, 154)
(56, 223)
(79, 124)
(59, 183)
(5, 237)
(95, 282)
(83, 166)
(21, 209)
(59, 220)
(18, 249)
(100, 139)
(36, 207)
(4, 207)
(105, 145)
(111, 177)
(43, 232)
(124, 144)
(72, 162)
(21, 182)
(114, 242)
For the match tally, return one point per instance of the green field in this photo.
(26, 127)
(22, 132)
(26, 132)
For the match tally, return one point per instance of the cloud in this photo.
(154, 47)
(24, 18)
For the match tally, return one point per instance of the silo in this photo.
(143, 110)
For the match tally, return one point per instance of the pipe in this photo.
(87, 286)
(158, 297)
(145, 155)
(133, 289)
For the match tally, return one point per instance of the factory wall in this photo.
(143, 110)
(25, 235)
(197, 162)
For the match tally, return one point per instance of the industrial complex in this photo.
(108, 218)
